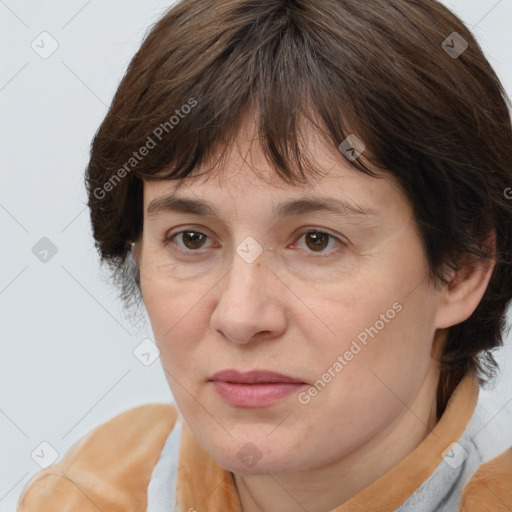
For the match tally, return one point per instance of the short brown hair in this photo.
(381, 69)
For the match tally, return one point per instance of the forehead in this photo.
(243, 180)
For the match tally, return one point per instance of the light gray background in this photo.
(67, 360)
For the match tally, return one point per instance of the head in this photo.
(247, 106)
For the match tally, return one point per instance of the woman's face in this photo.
(340, 305)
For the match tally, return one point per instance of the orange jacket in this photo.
(110, 468)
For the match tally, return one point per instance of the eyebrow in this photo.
(285, 209)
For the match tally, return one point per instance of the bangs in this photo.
(268, 71)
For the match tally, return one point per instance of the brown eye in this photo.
(317, 241)
(193, 239)
(189, 243)
(319, 244)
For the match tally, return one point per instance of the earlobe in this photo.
(466, 287)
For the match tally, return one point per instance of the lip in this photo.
(256, 388)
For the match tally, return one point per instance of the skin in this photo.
(293, 312)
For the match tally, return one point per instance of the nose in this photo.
(250, 305)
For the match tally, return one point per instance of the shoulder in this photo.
(109, 468)
(490, 487)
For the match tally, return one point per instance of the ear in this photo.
(461, 296)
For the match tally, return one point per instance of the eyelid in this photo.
(304, 231)
(314, 229)
(342, 243)
(170, 237)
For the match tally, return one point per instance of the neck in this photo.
(324, 488)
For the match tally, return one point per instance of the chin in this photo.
(261, 467)
(247, 458)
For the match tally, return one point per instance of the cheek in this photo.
(378, 357)
(356, 307)
(171, 306)
(156, 302)
(173, 316)
(373, 364)
(379, 319)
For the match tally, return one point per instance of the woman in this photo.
(309, 197)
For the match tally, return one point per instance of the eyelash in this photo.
(169, 239)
